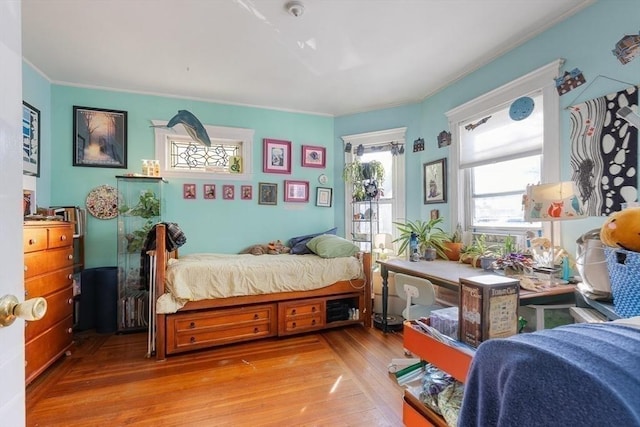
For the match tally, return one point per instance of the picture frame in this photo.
(435, 181)
(188, 191)
(296, 191)
(267, 193)
(99, 137)
(314, 156)
(276, 156)
(324, 197)
(228, 192)
(209, 191)
(246, 192)
(30, 140)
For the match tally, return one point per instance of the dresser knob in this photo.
(70, 256)
(70, 277)
(313, 322)
(26, 268)
(192, 325)
(256, 330)
(256, 317)
(293, 325)
(32, 241)
(293, 312)
(192, 340)
(63, 237)
(313, 309)
(70, 301)
(69, 330)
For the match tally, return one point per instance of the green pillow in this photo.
(331, 246)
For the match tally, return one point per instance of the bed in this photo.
(333, 293)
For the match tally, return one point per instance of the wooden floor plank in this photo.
(334, 378)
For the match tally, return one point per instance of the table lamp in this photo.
(559, 201)
(383, 244)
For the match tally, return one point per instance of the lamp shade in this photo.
(557, 201)
(383, 241)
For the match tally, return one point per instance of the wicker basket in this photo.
(624, 274)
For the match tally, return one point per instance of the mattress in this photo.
(196, 277)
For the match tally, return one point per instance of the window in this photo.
(494, 157)
(228, 157)
(381, 146)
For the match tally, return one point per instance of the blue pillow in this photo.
(298, 244)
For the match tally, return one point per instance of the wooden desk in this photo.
(448, 273)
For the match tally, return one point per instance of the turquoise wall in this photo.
(585, 41)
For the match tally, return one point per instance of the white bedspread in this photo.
(196, 277)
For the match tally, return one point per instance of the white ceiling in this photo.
(339, 57)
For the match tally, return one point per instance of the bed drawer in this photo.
(295, 317)
(190, 331)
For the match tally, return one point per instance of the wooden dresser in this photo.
(48, 273)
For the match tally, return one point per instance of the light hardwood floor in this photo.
(334, 378)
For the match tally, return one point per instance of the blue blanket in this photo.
(585, 374)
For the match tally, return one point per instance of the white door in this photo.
(12, 408)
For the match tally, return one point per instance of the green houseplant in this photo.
(454, 246)
(148, 207)
(480, 248)
(358, 174)
(429, 233)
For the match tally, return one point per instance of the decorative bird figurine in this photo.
(192, 125)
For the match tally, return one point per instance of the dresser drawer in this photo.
(47, 283)
(296, 317)
(36, 263)
(47, 347)
(190, 331)
(34, 239)
(302, 324)
(60, 237)
(59, 306)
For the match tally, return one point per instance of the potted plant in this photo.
(431, 238)
(479, 250)
(454, 246)
(360, 174)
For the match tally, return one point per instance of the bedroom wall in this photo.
(585, 41)
(210, 225)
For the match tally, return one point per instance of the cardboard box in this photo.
(488, 308)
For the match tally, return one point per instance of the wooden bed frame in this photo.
(214, 322)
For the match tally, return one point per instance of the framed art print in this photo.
(276, 156)
(324, 197)
(313, 156)
(30, 140)
(188, 191)
(267, 193)
(435, 181)
(209, 191)
(228, 192)
(246, 192)
(99, 137)
(296, 191)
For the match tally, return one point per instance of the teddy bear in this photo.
(622, 230)
(271, 248)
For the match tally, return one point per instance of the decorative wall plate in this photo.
(322, 179)
(102, 202)
(521, 108)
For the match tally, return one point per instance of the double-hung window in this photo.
(500, 148)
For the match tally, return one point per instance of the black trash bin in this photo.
(101, 287)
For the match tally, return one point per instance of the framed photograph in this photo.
(435, 181)
(228, 192)
(246, 192)
(313, 156)
(99, 137)
(30, 140)
(276, 156)
(188, 191)
(324, 197)
(209, 191)
(267, 193)
(296, 191)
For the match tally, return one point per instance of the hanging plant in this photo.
(148, 206)
(360, 174)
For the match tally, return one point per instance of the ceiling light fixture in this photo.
(295, 8)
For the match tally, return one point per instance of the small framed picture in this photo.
(189, 191)
(296, 191)
(435, 181)
(324, 197)
(313, 156)
(30, 140)
(100, 137)
(209, 191)
(228, 192)
(276, 156)
(267, 193)
(246, 192)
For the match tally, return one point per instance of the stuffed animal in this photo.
(622, 230)
(271, 248)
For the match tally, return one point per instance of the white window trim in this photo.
(163, 135)
(541, 79)
(375, 138)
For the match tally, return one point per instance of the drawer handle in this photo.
(192, 340)
(293, 325)
(70, 277)
(69, 330)
(32, 241)
(293, 312)
(26, 268)
(192, 325)
(256, 330)
(63, 237)
(70, 256)
(256, 316)
(313, 309)
(70, 301)
(313, 322)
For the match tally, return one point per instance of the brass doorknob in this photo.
(10, 309)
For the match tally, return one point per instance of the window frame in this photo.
(164, 135)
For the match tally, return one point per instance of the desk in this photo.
(448, 273)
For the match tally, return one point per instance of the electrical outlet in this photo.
(411, 291)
